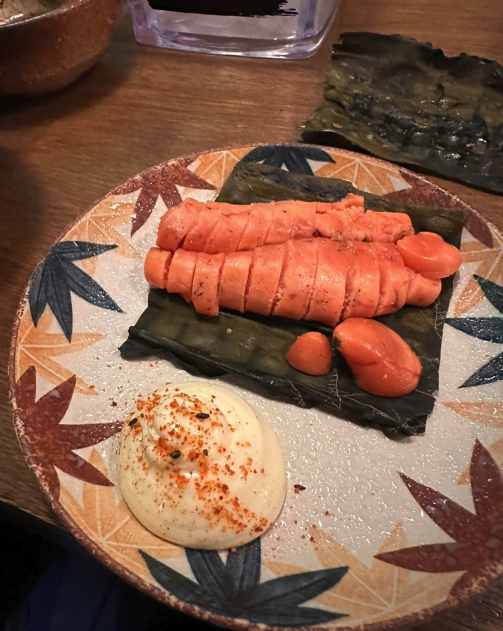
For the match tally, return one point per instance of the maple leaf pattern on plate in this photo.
(234, 589)
(477, 549)
(421, 192)
(490, 266)
(216, 168)
(50, 443)
(375, 592)
(107, 521)
(57, 277)
(102, 225)
(489, 329)
(496, 451)
(487, 414)
(37, 347)
(160, 181)
(293, 157)
(377, 179)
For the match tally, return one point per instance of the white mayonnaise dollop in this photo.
(198, 467)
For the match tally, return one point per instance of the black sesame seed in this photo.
(202, 415)
(175, 454)
(131, 423)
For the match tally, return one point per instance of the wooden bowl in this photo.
(45, 53)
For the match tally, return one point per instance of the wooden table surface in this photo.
(140, 106)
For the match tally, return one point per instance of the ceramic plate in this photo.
(375, 533)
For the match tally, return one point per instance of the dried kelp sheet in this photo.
(255, 346)
(407, 102)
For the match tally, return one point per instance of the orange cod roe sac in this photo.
(380, 361)
(311, 353)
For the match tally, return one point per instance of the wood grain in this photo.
(139, 106)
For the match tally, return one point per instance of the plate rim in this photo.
(162, 595)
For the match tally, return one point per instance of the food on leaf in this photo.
(429, 255)
(181, 274)
(382, 363)
(156, 267)
(311, 279)
(250, 183)
(205, 283)
(214, 227)
(407, 102)
(200, 468)
(311, 353)
(254, 346)
(422, 291)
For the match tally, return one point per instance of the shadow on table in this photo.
(110, 72)
(21, 220)
(49, 582)
(21, 217)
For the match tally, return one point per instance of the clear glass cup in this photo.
(285, 29)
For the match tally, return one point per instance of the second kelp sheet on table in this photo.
(255, 346)
(407, 102)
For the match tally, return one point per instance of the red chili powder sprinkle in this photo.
(217, 504)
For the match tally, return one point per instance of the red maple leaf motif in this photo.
(51, 444)
(477, 549)
(160, 181)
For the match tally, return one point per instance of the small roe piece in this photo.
(381, 362)
(311, 353)
(429, 255)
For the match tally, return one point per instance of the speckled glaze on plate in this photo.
(374, 534)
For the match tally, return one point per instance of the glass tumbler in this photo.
(254, 28)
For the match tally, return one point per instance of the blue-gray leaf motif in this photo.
(233, 588)
(293, 157)
(489, 329)
(57, 277)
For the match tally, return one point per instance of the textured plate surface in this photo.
(374, 532)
